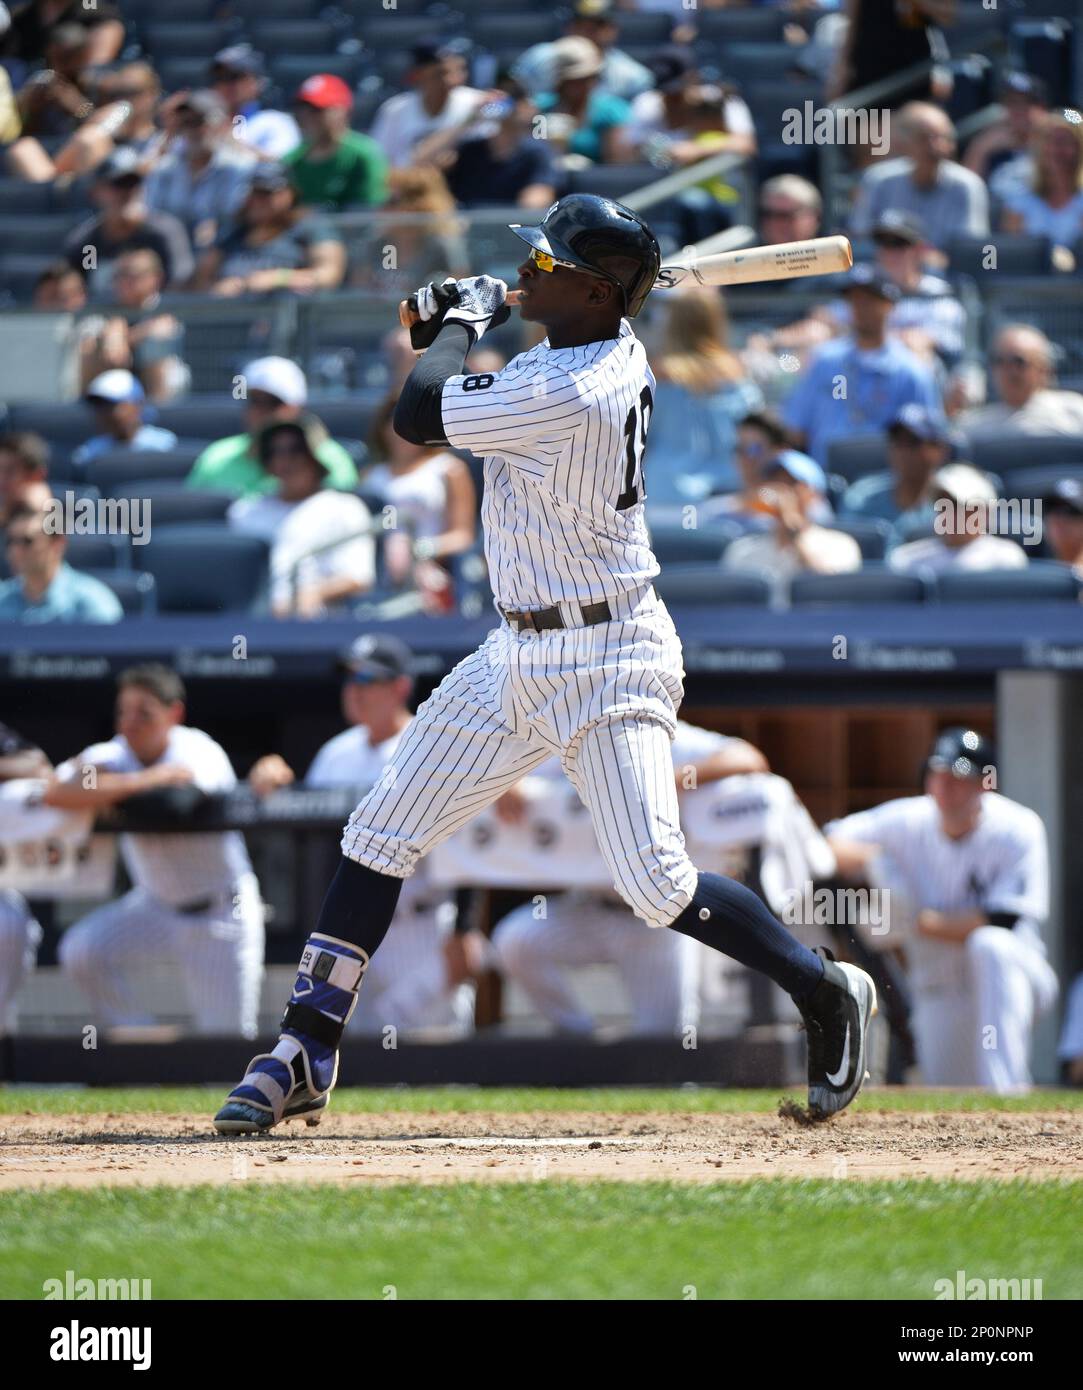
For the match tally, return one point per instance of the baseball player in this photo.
(20, 933)
(408, 987)
(585, 663)
(968, 875)
(660, 969)
(196, 900)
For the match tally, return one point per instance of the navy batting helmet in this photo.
(584, 232)
(962, 752)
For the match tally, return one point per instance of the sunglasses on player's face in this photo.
(549, 263)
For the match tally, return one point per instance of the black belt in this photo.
(540, 619)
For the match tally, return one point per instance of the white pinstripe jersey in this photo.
(562, 432)
(176, 868)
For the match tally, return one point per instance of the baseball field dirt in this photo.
(146, 1149)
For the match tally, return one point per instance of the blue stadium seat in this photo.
(870, 585)
(638, 27)
(386, 32)
(184, 40)
(313, 36)
(202, 416)
(256, 11)
(99, 552)
(19, 197)
(26, 233)
(747, 62)
(1036, 482)
(64, 424)
(19, 273)
(114, 473)
(289, 70)
(204, 569)
(705, 585)
(135, 589)
(1016, 254)
(514, 30)
(739, 26)
(1041, 580)
(675, 546)
(857, 456)
(871, 534)
(1000, 453)
(179, 71)
(172, 503)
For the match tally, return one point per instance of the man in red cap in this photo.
(334, 167)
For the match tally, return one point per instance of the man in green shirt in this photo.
(45, 589)
(275, 389)
(334, 167)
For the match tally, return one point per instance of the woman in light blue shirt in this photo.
(1053, 208)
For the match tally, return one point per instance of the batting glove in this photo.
(480, 305)
(430, 303)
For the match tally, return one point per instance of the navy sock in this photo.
(359, 905)
(730, 918)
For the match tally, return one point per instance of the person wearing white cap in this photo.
(274, 389)
(793, 485)
(582, 118)
(961, 502)
(117, 399)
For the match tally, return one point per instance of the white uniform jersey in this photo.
(175, 868)
(350, 760)
(562, 433)
(1001, 866)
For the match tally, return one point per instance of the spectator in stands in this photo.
(1000, 154)
(791, 488)
(141, 337)
(598, 21)
(322, 550)
(24, 473)
(334, 167)
(962, 500)
(918, 444)
(928, 317)
(138, 85)
(202, 182)
(43, 588)
(860, 382)
(124, 223)
(54, 101)
(60, 289)
(275, 244)
(702, 393)
(275, 390)
(423, 251)
(1022, 362)
(790, 210)
(948, 200)
(658, 128)
(34, 24)
(238, 76)
(1062, 512)
(504, 166)
(438, 99)
(1053, 204)
(882, 41)
(435, 509)
(117, 398)
(581, 120)
(761, 437)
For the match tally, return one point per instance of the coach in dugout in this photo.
(419, 980)
(967, 875)
(195, 901)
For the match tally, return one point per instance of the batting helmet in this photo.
(962, 752)
(589, 233)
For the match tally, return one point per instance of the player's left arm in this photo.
(1019, 889)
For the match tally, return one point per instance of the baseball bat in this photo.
(789, 260)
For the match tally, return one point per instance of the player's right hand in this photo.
(269, 773)
(480, 304)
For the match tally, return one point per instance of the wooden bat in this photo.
(789, 260)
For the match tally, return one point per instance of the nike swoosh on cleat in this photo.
(838, 1077)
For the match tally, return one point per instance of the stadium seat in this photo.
(674, 545)
(857, 456)
(395, 32)
(314, 36)
(514, 30)
(115, 472)
(289, 70)
(707, 584)
(609, 180)
(99, 552)
(204, 569)
(638, 27)
(184, 40)
(178, 72)
(202, 417)
(1017, 254)
(1041, 580)
(755, 61)
(870, 585)
(871, 534)
(19, 273)
(1036, 482)
(724, 27)
(172, 503)
(256, 11)
(134, 588)
(999, 453)
(18, 197)
(32, 233)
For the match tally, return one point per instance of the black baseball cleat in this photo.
(837, 1015)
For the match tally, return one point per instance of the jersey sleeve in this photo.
(879, 825)
(209, 764)
(511, 413)
(1020, 883)
(107, 757)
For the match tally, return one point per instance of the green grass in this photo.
(547, 1240)
(169, 1100)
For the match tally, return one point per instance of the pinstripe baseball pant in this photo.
(604, 698)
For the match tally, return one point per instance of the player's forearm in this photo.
(950, 926)
(31, 763)
(728, 762)
(851, 856)
(108, 789)
(418, 414)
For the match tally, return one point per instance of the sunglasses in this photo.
(549, 263)
(25, 541)
(1009, 359)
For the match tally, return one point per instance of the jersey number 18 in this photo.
(635, 441)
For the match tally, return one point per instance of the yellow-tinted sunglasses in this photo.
(549, 263)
